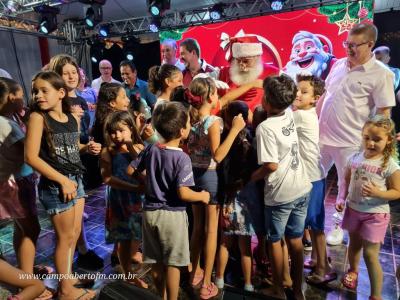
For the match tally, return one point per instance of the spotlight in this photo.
(12, 6)
(104, 30)
(155, 24)
(217, 11)
(94, 13)
(158, 7)
(130, 46)
(96, 50)
(277, 4)
(48, 18)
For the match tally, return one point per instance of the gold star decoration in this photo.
(346, 23)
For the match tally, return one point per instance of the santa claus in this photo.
(246, 66)
(311, 53)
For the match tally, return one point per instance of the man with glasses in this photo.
(246, 66)
(357, 87)
(105, 69)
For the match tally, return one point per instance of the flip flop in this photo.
(85, 292)
(316, 279)
(47, 294)
(84, 283)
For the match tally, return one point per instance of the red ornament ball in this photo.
(362, 13)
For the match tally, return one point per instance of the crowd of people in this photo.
(198, 159)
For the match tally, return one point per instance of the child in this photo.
(52, 148)
(287, 186)
(206, 152)
(168, 178)
(162, 80)
(66, 66)
(124, 204)
(23, 208)
(372, 180)
(242, 203)
(309, 89)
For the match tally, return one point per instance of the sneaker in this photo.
(219, 282)
(90, 261)
(208, 291)
(335, 237)
(249, 288)
(307, 245)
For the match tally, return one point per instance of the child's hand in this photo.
(148, 131)
(77, 110)
(369, 189)
(93, 148)
(140, 121)
(238, 122)
(205, 197)
(68, 188)
(340, 205)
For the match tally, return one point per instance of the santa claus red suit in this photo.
(248, 50)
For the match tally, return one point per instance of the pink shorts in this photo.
(371, 226)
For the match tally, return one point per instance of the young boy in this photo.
(309, 89)
(168, 178)
(287, 186)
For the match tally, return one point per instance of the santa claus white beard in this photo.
(239, 77)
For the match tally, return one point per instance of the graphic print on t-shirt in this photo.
(294, 151)
(290, 128)
(66, 147)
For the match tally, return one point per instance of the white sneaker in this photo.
(219, 282)
(249, 288)
(335, 237)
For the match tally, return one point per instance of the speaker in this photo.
(120, 290)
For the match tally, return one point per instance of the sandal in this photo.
(316, 279)
(350, 280)
(197, 279)
(209, 291)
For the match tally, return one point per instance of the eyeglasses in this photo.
(105, 68)
(347, 44)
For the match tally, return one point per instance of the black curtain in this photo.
(145, 56)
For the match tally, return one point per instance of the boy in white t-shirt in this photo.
(309, 89)
(287, 187)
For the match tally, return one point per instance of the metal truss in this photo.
(179, 19)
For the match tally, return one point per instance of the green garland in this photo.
(337, 12)
(175, 34)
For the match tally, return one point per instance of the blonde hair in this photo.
(388, 125)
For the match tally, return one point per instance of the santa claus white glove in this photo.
(218, 83)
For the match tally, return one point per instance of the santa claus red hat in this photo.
(245, 46)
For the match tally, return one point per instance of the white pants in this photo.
(339, 156)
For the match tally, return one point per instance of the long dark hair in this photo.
(57, 83)
(114, 121)
(157, 76)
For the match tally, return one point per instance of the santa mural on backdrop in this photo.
(245, 56)
(311, 53)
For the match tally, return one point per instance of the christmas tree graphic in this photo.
(346, 15)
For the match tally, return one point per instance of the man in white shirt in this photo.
(105, 68)
(168, 54)
(357, 87)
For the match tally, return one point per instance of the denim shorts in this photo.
(316, 210)
(51, 197)
(207, 179)
(287, 219)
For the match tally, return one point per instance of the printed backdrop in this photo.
(328, 24)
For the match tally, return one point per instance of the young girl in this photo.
(52, 148)
(206, 152)
(66, 66)
(372, 180)
(124, 203)
(242, 199)
(162, 80)
(23, 208)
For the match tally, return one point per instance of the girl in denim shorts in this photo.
(52, 148)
